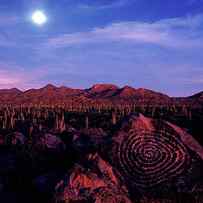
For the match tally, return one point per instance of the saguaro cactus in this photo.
(62, 125)
(114, 120)
(86, 122)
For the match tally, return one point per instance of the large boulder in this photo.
(155, 155)
(49, 142)
(93, 181)
(15, 138)
(2, 140)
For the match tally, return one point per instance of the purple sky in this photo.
(143, 43)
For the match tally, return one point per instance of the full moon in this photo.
(39, 17)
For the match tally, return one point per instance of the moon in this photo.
(39, 17)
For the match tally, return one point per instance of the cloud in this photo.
(173, 32)
(8, 79)
(8, 20)
(6, 38)
(192, 2)
(12, 75)
(108, 5)
(198, 80)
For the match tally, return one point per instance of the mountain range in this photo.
(98, 93)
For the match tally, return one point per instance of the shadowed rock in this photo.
(49, 142)
(155, 155)
(15, 138)
(93, 181)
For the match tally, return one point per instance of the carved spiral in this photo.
(150, 158)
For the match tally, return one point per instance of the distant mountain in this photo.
(10, 91)
(102, 87)
(102, 91)
(97, 94)
(125, 94)
(197, 96)
(140, 94)
(7, 95)
(48, 94)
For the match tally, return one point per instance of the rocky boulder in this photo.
(155, 155)
(92, 181)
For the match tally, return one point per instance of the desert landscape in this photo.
(101, 101)
(102, 144)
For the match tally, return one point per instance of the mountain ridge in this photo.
(101, 93)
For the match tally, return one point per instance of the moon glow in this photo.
(39, 17)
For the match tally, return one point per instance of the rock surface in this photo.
(94, 181)
(155, 155)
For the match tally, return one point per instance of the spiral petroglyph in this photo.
(148, 158)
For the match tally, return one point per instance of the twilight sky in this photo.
(155, 44)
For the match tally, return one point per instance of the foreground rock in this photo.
(15, 138)
(93, 181)
(155, 156)
(49, 142)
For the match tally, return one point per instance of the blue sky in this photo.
(143, 43)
